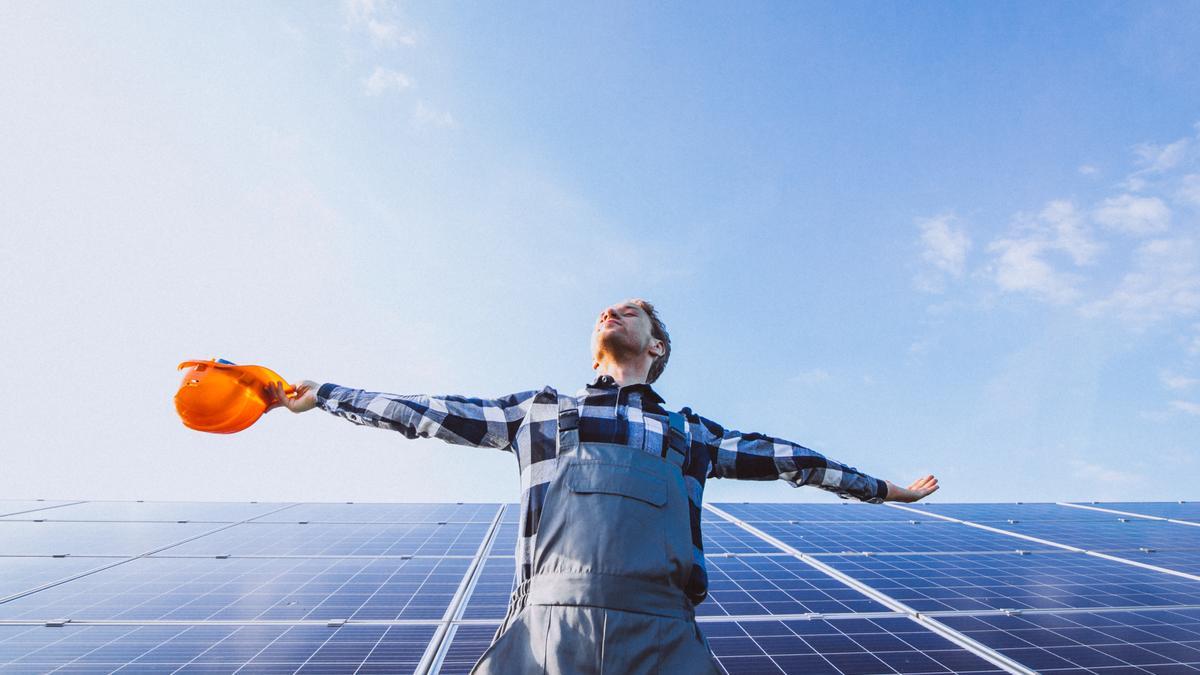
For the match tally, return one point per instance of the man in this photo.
(610, 557)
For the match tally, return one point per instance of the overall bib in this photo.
(612, 555)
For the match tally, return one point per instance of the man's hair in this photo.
(658, 330)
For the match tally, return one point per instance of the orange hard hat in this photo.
(222, 397)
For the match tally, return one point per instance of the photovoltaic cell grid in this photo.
(304, 566)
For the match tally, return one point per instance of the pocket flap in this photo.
(614, 479)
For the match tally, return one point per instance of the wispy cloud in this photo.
(380, 20)
(1176, 381)
(383, 80)
(1164, 283)
(1022, 261)
(1187, 407)
(1189, 189)
(1088, 170)
(425, 115)
(815, 376)
(1134, 215)
(944, 248)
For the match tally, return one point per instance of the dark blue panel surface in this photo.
(505, 540)
(919, 537)
(202, 589)
(721, 536)
(1008, 581)
(385, 513)
(758, 585)
(493, 588)
(1101, 642)
(24, 538)
(839, 512)
(169, 512)
(467, 644)
(274, 539)
(163, 649)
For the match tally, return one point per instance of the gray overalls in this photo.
(613, 552)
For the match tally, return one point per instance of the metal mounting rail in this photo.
(435, 651)
(968, 643)
(1066, 547)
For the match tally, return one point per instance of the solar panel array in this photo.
(421, 588)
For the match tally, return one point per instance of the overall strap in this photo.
(568, 425)
(676, 448)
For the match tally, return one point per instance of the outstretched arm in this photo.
(478, 422)
(754, 456)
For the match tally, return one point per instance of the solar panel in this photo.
(213, 648)
(840, 512)
(18, 575)
(1063, 580)
(29, 538)
(208, 589)
(1021, 511)
(402, 587)
(384, 513)
(1164, 641)
(18, 506)
(777, 585)
(908, 537)
(1189, 511)
(338, 539)
(1113, 535)
(211, 512)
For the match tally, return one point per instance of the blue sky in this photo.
(957, 238)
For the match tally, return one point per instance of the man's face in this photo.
(624, 330)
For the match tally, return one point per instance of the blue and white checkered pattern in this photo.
(526, 424)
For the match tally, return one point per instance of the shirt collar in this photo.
(607, 382)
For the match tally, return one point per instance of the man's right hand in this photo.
(302, 400)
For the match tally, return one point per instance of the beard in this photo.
(619, 345)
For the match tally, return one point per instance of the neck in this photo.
(625, 373)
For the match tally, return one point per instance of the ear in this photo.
(657, 348)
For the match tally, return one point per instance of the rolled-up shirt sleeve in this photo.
(755, 456)
(477, 422)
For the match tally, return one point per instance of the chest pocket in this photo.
(613, 479)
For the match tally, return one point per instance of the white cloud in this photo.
(1135, 215)
(380, 20)
(1160, 158)
(1189, 189)
(1194, 345)
(1176, 381)
(1164, 283)
(425, 115)
(1187, 407)
(385, 79)
(1021, 261)
(386, 34)
(945, 248)
(1088, 170)
(1019, 267)
(815, 376)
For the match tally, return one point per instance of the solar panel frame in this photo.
(164, 512)
(337, 539)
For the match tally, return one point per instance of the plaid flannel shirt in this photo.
(526, 424)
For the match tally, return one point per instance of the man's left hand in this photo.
(921, 488)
